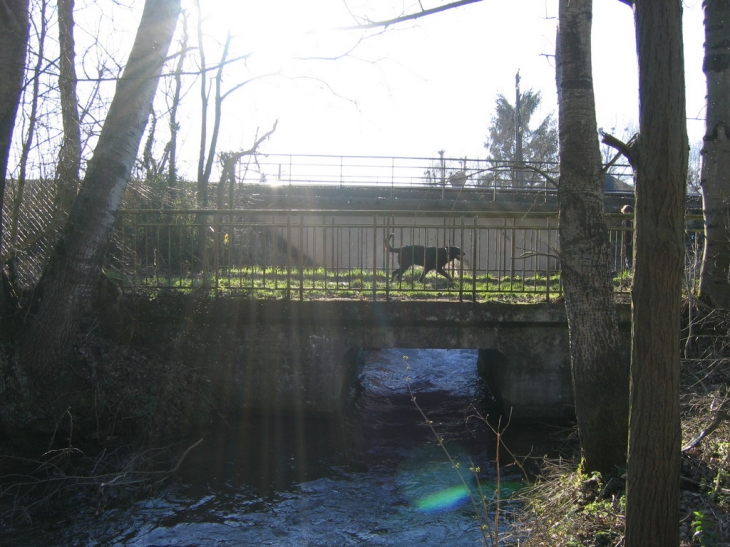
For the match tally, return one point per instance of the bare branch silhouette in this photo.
(410, 16)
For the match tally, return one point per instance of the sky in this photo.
(415, 88)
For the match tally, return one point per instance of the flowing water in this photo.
(374, 477)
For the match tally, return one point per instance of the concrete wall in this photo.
(289, 357)
(499, 236)
(499, 246)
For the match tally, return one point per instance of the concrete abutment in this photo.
(289, 357)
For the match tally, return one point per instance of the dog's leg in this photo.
(445, 274)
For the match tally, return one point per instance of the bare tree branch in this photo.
(409, 17)
(246, 82)
(510, 165)
(609, 164)
(625, 148)
(530, 254)
(552, 180)
(720, 416)
(325, 84)
(346, 53)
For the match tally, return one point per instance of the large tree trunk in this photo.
(715, 176)
(75, 266)
(660, 159)
(600, 374)
(14, 20)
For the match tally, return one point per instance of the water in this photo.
(375, 477)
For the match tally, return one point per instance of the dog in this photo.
(429, 258)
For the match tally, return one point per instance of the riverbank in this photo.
(568, 508)
(120, 443)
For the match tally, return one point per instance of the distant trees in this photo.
(512, 142)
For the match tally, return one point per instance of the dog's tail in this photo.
(388, 246)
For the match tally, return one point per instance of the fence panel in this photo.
(342, 254)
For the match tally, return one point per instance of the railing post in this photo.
(288, 257)
(375, 259)
(301, 257)
(203, 243)
(461, 263)
(135, 227)
(392, 176)
(475, 245)
(216, 249)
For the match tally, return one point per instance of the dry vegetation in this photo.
(568, 508)
(115, 437)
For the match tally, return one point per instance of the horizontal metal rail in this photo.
(385, 171)
(310, 254)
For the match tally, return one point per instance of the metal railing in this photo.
(341, 254)
(453, 178)
(384, 171)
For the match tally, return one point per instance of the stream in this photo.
(377, 476)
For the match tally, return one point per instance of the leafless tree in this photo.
(77, 261)
(659, 158)
(715, 174)
(27, 144)
(600, 373)
(69, 161)
(14, 23)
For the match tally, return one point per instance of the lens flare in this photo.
(443, 500)
(431, 483)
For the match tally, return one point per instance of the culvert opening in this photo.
(402, 393)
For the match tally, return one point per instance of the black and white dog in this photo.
(431, 258)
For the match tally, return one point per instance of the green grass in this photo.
(319, 283)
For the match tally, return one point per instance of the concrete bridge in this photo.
(289, 357)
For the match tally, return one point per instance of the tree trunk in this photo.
(174, 125)
(600, 373)
(715, 176)
(67, 171)
(14, 27)
(75, 265)
(652, 497)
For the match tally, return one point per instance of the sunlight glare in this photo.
(279, 31)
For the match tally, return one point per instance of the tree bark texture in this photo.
(715, 174)
(14, 29)
(600, 373)
(660, 163)
(75, 266)
(67, 172)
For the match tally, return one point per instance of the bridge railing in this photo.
(383, 171)
(341, 254)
